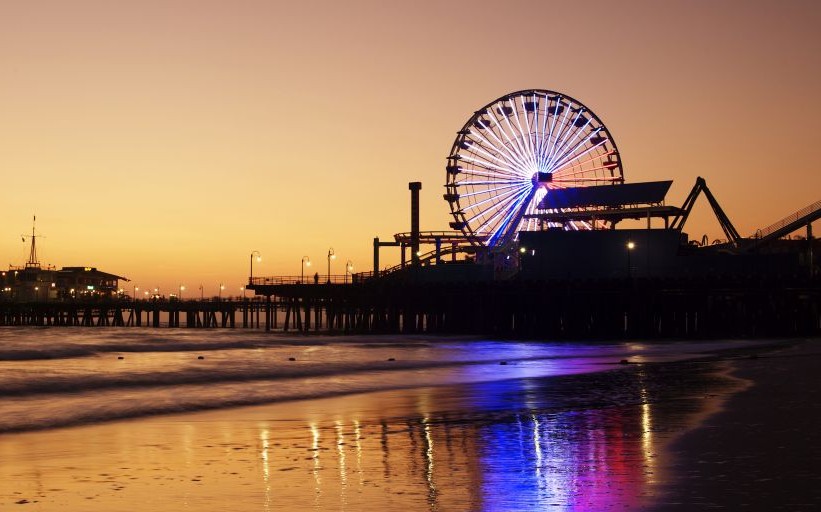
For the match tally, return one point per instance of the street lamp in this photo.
(259, 258)
(306, 261)
(202, 293)
(182, 288)
(331, 256)
(630, 247)
(242, 289)
(134, 294)
(348, 270)
(222, 287)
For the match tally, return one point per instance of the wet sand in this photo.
(762, 451)
(602, 441)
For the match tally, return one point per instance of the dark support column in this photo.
(267, 312)
(809, 248)
(376, 257)
(415, 187)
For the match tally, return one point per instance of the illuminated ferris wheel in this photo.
(517, 149)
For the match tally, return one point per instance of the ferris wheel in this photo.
(517, 149)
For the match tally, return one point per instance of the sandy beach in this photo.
(624, 439)
(762, 451)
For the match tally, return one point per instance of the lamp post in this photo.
(331, 256)
(259, 258)
(134, 294)
(182, 288)
(630, 247)
(305, 261)
(222, 287)
(348, 270)
(202, 293)
(242, 289)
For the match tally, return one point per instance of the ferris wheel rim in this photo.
(510, 171)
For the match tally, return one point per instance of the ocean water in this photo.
(54, 377)
(344, 423)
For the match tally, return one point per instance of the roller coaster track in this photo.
(785, 226)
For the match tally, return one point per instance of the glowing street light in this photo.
(222, 287)
(331, 256)
(134, 293)
(182, 288)
(259, 258)
(306, 261)
(348, 270)
(630, 247)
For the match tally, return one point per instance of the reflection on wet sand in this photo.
(449, 448)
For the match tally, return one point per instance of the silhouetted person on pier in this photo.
(316, 278)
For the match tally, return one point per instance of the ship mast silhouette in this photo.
(32, 262)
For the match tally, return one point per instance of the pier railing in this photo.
(307, 280)
(803, 215)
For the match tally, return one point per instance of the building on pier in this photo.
(33, 282)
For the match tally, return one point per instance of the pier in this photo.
(403, 304)
(115, 312)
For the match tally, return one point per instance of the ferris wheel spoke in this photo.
(558, 137)
(566, 155)
(504, 160)
(553, 135)
(501, 206)
(524, 135)
(548, 130)
(543, 137)
(514, 218)
(509, 147)
(492, 182)
(567, 159)
(568, 139)
(514, 143)
(494, 224)
(534, 132)
(564, 166)
(488, 191)
(490, 167)
(563, 152)
(502, 148)
(500, 197)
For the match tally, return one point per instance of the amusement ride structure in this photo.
(517, 149)
(538, 160)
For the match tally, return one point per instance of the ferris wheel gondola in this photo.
(514, 151)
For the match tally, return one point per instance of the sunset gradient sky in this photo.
(166, 140)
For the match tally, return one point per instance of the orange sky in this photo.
(165, 140)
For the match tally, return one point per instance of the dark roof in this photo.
(91, 271)
(651, 192)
